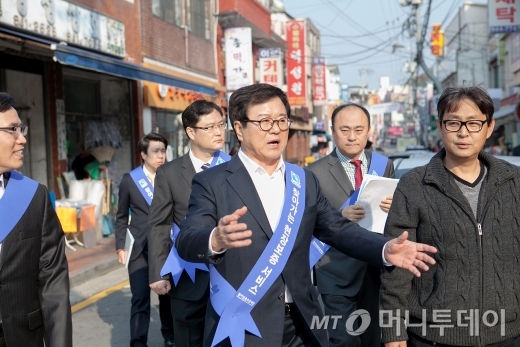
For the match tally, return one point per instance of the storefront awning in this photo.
(92, 61)
(504, 111)
(85, 59)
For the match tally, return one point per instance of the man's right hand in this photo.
(396, 344)
(231, 234)
(121, 256)
(161, 287)
(354, 213)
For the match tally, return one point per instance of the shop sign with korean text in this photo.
(271, 66)
(504, 16)
(239, 58)
(296, 72)
(65, 21)
(319, 81)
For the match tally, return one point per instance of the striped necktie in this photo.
(205, 166)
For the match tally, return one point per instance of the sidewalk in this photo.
(89, 263)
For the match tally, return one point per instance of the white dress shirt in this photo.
(149, 175)
(197, 163)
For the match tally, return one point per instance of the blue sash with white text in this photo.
(143, 184)
(377, 168)
(234, 306)
(15, 201)
(174, 264)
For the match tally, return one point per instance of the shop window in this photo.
(81, 96)
(199, 18)
(168, 10)
(170, 126)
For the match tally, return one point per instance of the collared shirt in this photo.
(149, 174)
(197, 163)
(350, 169)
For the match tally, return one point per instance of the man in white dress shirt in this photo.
(237, 207)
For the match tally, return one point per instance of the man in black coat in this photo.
(135, 195)
(347, 284)
(204, 124)
(34, 279)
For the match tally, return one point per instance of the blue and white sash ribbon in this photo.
(234, 306)
(174, 263)
(15, 201)
(377, 168)
(143, 184)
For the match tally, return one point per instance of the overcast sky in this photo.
(359, 34)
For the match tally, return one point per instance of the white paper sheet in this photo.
(129, 244)
(373, 190)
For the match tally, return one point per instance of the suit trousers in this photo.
(343, 306)
(295, 333)
(189, 317)
(140, 311)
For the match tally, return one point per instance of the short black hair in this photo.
(197, 109)
(350, 104)
(451, 97)
(6, 102)
(144, 143)
(242, 99)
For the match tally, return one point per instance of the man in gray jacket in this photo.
(464, 203)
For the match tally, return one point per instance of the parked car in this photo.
(403, 165)
(410, 154)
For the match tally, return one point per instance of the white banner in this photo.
(65, 21)
(239, 58)
(271, 66)
(504, 16)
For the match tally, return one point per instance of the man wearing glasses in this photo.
(204, 124)
(34, 280)
(136, 193)
(464, 203)
(253, 219)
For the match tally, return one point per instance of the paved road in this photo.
(105, 323)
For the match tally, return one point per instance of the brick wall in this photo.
(252, 10)
(125, 12)
(297, 146)
(165, 42)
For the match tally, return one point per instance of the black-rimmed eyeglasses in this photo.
(17, 130)
(473, 126)
(266, 124)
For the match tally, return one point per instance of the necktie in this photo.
(151, 177)
(205, 166)
(359, 173)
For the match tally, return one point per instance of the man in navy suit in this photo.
(237, 208)
(135, 195)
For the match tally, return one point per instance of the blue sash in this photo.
(174, 264)
(15, 201)
(234, 306)
(377, 168)
(143, 184)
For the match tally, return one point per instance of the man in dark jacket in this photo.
(464, 203)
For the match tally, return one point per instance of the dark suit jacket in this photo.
(170, 202)
(330, 270)
(34, 279)
(222, 190)
(131, 198)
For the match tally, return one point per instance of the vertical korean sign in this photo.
(239, 58)
(271, 66)
(296, 74)
(504, 16)
(319, 81)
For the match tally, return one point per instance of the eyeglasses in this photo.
(267, 124)
(473, 126)
(212, 128)
(17, 130)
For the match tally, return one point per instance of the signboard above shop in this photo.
(65, 21)
(504, 16)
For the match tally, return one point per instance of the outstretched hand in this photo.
(231, 234)
(409, 255)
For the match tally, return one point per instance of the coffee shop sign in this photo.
(65, 21)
